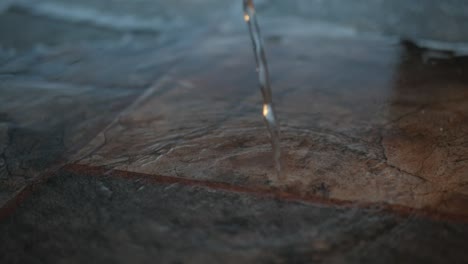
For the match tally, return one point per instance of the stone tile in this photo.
(76, 218)
(364, 120)
(62, 83)
(42, 123)
(194, 98)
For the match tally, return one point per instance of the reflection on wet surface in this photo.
(131, 121)
(364, 121)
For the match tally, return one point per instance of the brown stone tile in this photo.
(362, 120)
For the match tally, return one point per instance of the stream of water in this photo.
(269, 114)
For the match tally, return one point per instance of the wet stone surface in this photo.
(76, 218)
(361, 120)
(56, 98)
(39, 135)
(135, 134)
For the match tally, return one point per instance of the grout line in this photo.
(86, 152)
(273, 193)
(267, 192)
(83, 152)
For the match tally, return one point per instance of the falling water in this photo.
(269, 114)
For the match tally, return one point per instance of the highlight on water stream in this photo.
(269, 113)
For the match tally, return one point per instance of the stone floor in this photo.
(124, 146)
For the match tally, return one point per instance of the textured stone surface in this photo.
(77, 219)
(164, 95)
(55, 98)
(362, 120)
(39, 134)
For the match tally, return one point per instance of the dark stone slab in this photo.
(43, 123)
(77, 218)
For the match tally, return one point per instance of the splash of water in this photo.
(269, 114)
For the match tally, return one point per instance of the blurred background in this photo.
(438, 22)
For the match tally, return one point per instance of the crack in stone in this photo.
(398, 119)
(384, 153)
(421, 167)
